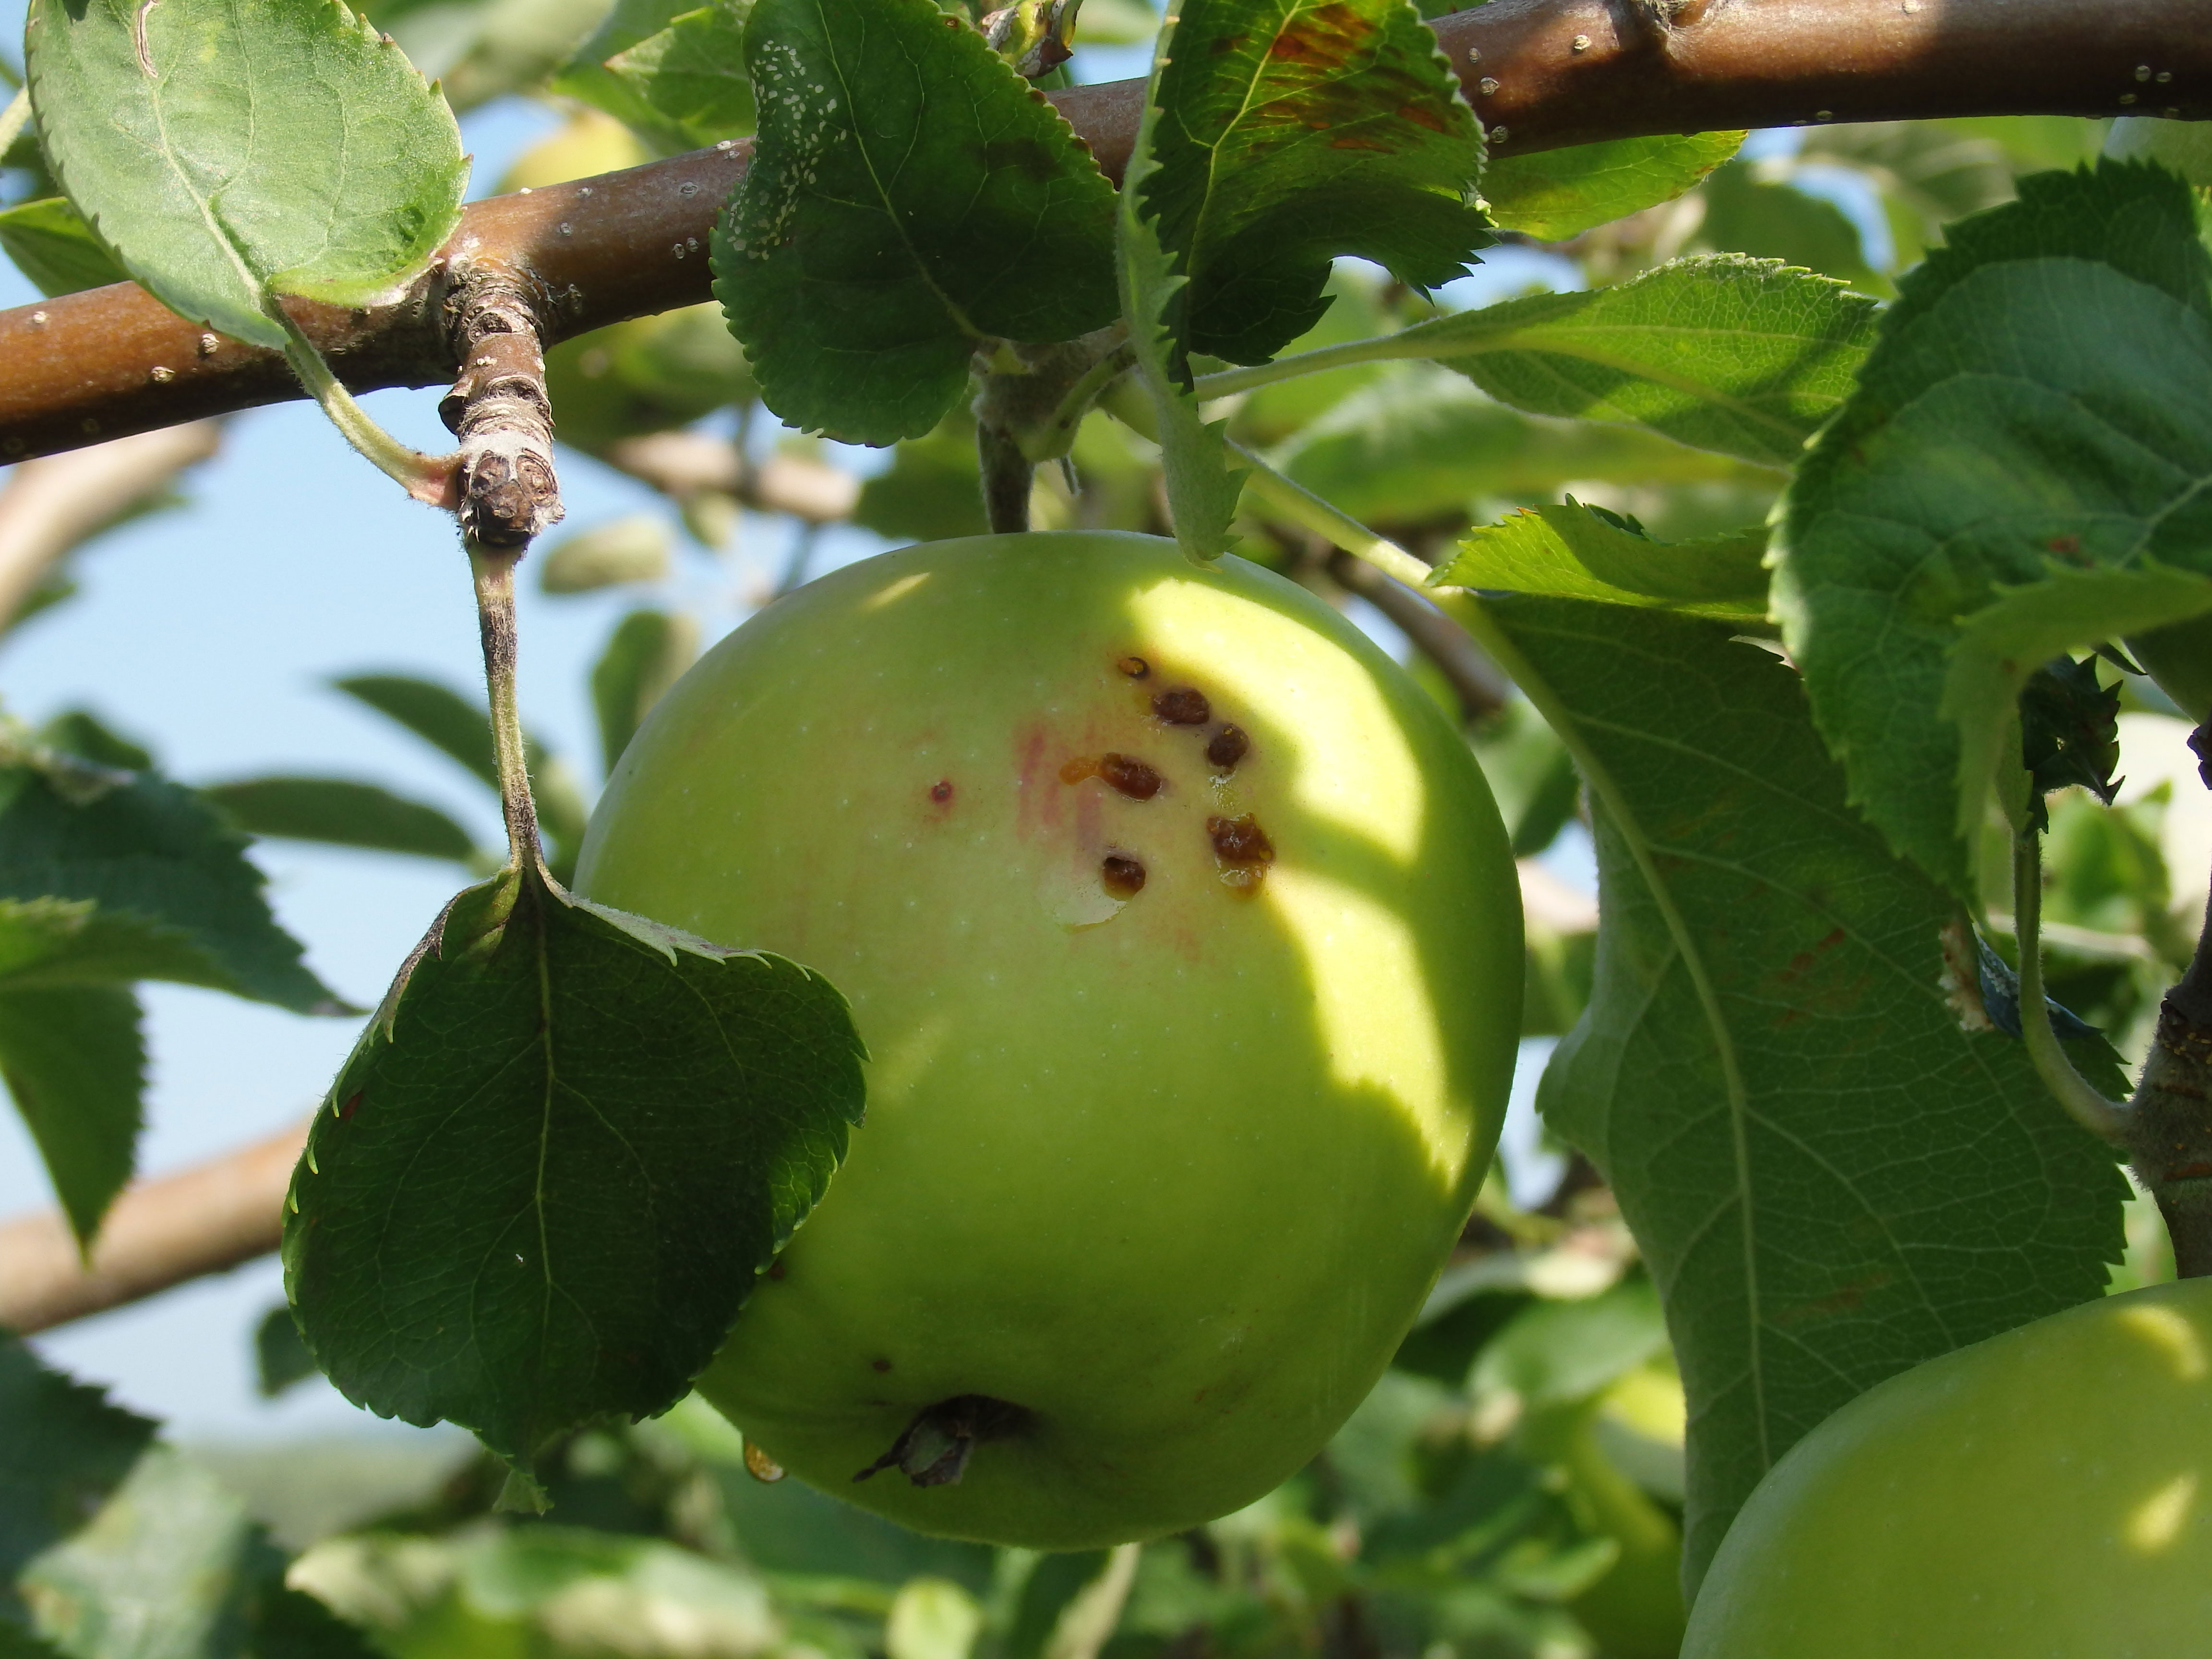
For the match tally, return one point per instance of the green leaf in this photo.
(1558, 193)
(74, 1063)
(1202, 489)
(1748, 213)
(2041, 398)
(547, 1176)
(585, 76)
(1421, 444)
(155, 850)
(80, 733)
(932, 489)
(1830, 1179)
(910, 199)
(280, 1358)
(2001, 646)
(56, 249)
(457, 727)
(1734, 355)
(173, 1567)
(1292, 131)
(231, 150)
(691, 76)
(342, 813)
(1555, 1353)
(115, 1547)
(647, 653)
(1576, 552)
(635, 548)
(62, 1450)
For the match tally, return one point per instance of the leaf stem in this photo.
(1301, 506)
(1076, 403)
(493, 568)
(13, 118)
(2084, 1103)
(426, 478)
(1382, 348)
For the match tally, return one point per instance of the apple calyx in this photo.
(934, 1449)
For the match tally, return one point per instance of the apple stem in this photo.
(493, 568)
(2170, 1142)
(1008, 476)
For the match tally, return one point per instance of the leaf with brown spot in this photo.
(1829, 1179)
(1294, 131)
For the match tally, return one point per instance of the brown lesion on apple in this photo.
(1241, 850)
(934, 1449)
(941, 793)
(1135, 667)
(1228, 746)
(1125, 775)
(1122, 875)
(1183, 705)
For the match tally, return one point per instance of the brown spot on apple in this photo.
(1183, 705)
(1128, 775)
(1242, 849)
(941, 791)
(1230, 745)
(1135, 667)
(1122, 876)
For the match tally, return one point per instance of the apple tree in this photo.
(1841, 581)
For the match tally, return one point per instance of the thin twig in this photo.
(160, 1233)
(1481, 689)
(681, 463)
(51, 505)
(113, 361)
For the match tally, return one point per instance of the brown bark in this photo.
(1542, 74)
(160, 1233)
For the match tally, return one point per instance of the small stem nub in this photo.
(498, 409)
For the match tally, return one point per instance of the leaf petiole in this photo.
(2084, 1103)
(1380, 348)
(13, 118)
(1301, 506)
(427, 478)
(492, 570)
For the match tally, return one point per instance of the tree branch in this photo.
(49, 506)
(1541, 73)
(159, 1234)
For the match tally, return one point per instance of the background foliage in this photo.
(1517, 1485)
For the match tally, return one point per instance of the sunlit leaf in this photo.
(1734, 355)
(52, 245)
(1558, 193)
(228, 149)
(2040, 399)
(1292, 131)
(1573, 552)
(910, 199)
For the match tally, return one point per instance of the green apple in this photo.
(1185, 940)
(2047, 1492)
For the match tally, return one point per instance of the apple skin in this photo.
(1172, 1171)
(2046, 1494)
